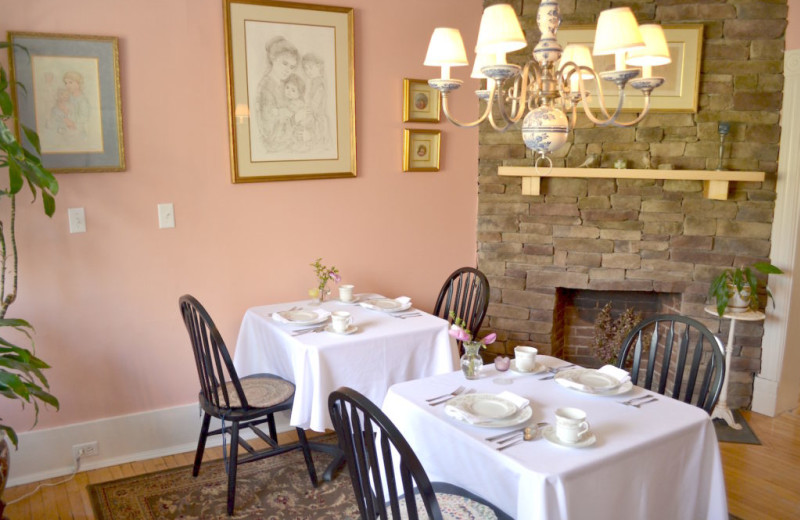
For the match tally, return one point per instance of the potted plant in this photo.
(21, 376)
(737, 288)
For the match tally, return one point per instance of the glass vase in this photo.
(471, 361)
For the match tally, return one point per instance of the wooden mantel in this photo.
(715, 182)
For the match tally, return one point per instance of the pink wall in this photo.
(793, 27)
(104, 303)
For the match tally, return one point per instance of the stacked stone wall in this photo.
(642, 235)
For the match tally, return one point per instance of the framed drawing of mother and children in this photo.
(290, 90)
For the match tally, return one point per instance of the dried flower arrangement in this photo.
(609, 332)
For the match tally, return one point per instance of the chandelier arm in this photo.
(461, 124)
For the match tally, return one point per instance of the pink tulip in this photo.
(335, 277)
(489, 339)
(459, 333)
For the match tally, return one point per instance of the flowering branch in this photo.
(325, 273)
(459, 330)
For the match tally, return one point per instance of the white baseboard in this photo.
(45, 454)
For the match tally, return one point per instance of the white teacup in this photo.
(341, 321)
(525, 358)
(571, 424)
(346, 293)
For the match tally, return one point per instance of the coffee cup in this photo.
(525, 358)
(340, 321)
(346, 293)
(571, 424)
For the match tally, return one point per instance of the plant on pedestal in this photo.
(737, 289)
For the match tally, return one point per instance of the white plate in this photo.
(591, 382)
(386, 305)
(537, 368)
(485, 406)
(351, 329)
(518, 418)
(549, 433)
(302, 317)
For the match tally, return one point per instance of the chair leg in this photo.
(273, 432)
(312, 472)
(201, 444)
(233, 459)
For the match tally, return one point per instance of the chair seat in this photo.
(260, 391)
(456, 507)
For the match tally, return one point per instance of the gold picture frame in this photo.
(66, 88)
(421, 150)
(291, 94)
(421, 102)
(679, 93)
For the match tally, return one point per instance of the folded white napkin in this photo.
(617, 373)
(403, 299)
(459, 413)
(321, 313)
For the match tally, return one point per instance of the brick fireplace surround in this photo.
(648, 237)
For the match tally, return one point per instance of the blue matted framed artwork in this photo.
(67, 89)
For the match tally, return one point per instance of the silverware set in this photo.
(551, 372)
(319, 328)
(407, 315)
(441, 399)
(512, 438)
(637, 402)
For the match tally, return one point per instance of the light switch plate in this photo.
(77, 220)
(166, 216)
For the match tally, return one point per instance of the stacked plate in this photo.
(301, 317)
(387, 304)
(487, 410)
(592, 381)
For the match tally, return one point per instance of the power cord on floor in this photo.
(50, 484)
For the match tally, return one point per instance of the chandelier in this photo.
(553, 83)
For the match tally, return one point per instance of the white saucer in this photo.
(549, 433)
(354, 301)
(537, 368)
(351, 329)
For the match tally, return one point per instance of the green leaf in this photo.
(16, 385)
(767, 268)
(6, 106)
(45, 397)
(15, 179)
(49, 204)
(33, 137)
(12, 435)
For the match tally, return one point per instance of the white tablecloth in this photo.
(385, 350)
(660, 461)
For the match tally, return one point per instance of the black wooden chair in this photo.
(380, 460)
(247, 402)
(676, 356)
(465, 292)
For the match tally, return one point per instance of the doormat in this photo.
(727, 434)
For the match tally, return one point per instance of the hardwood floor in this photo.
(762, 481)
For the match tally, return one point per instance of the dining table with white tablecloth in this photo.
(385, 348)
(658, 461)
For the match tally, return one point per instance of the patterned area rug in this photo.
(273, 488)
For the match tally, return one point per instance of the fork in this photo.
(306, 331)
(634, 399)
(451, 394)
(640, 403)
(404, 316)
(437, 403)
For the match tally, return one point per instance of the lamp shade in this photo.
(500, 31)
(655, 52)
(617, 31)
(481, 60)
(446, 48)
(579, 55)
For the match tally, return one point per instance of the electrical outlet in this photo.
(87, 449)
(77, 220)
(166, 215)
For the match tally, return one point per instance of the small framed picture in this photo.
(420, 102)
(421, 150)
(68, 91)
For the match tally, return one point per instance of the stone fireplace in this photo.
(651, 244)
